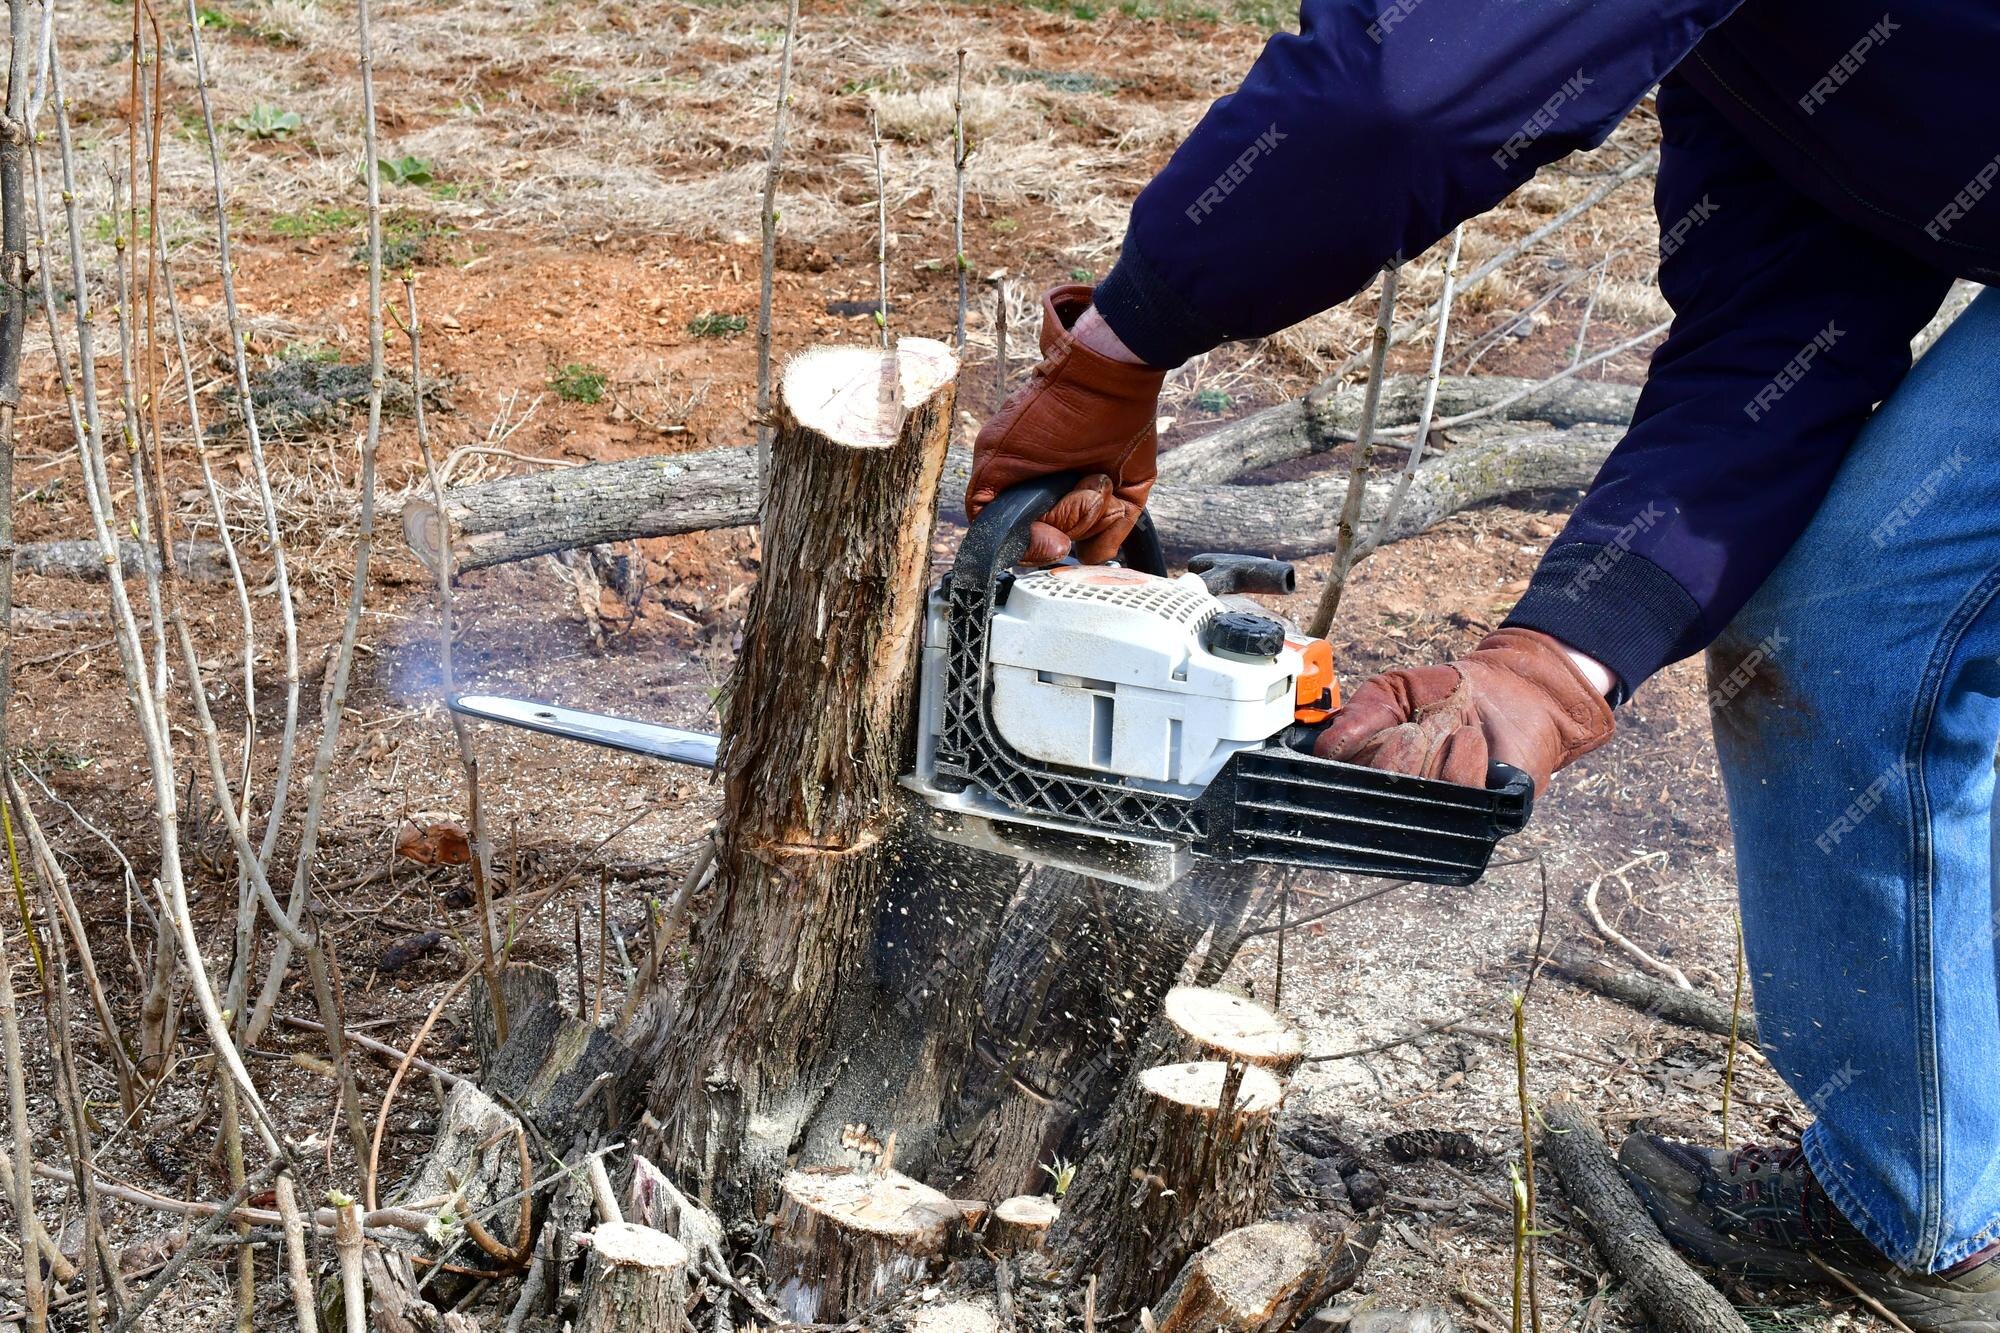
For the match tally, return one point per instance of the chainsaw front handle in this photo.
(994, 542)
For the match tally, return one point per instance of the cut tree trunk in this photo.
(1021, 1223)
(846, 1240)
(1078, 976)
(826, 986)
(1186, 1157)
(514, 518)
(1264, 1276)
(638, 1282)
(1218, 1025)
(1300, 427)
(202, 561)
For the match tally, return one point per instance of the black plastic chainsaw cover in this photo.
(1273, 805)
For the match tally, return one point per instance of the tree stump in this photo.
(638, 1282)
(1186, 1157)
(845, 1240)
(1263, 1276)
(756, 1058)
(1021, 1223)
(1218, 1025)
(957, 1317)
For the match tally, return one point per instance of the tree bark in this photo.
(638, 1282)
(1676, 1297)
(1187, 1156)
(1077, 978)
(204, 562)
(815, 997)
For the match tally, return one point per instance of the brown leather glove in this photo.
(1516, 697)
(1080, 411)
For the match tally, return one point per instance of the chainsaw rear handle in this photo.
(995, 541)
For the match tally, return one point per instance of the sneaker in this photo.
(1759, 1213)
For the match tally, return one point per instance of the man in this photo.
(1791, 496)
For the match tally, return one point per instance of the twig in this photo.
(881, 226)
(347, 1245)
(25, 1217)
(1386, 523)
(1875, 1307)
(1427, 1030)
(1502, 404)
(959, 156)
(601, 1192)
(1364, 454)
(192, 1247)
(1735, 1024)
(1631, 950)
(773, 165)
(381, 1048)
(1525, 1188)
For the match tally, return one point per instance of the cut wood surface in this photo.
(1302, 426)
(1219, 1025)
(1263, 1276)
(955, 1317)
(845, 1240)
(1021, 1223)
(1674, 1295)
(514, 518)
(1186, 1157)
(638, 1282)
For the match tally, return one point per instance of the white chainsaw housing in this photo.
(1103, 670)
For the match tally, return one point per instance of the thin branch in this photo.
(1387, 522)
(881, 226)
(1364, 453)
(959, 157)
(773, 165)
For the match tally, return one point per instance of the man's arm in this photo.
(1789, 326)
(1365, 137)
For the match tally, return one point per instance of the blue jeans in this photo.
(1856, 704)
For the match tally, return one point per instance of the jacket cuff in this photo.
(1613, 605)
(1149, 316)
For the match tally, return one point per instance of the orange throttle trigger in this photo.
(1318, 694)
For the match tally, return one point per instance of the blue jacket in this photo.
(1825, 172)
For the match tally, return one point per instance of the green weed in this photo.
(710, 324)
(267, 122)
(579, 383)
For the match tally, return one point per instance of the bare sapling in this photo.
(1524, 1185)
(1423, 427)
(35, 1298)
(773, 166)
(999, 280)
(1364, 455)
(959, 155)
(1735, 1026)
(881, 228)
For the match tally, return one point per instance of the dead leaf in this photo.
(442, 843)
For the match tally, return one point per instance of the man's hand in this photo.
(1518, 698)
(1089, 407)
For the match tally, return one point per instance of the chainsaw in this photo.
(1120, 722)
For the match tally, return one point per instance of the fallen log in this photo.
(204, 562)
(638, 1282)
(1309, 426)
(844, 1240)
(1676, 1297)
(1655, 998)
(1291, 520)
(514, 518)
(1262, 1276)
(1187, 1156)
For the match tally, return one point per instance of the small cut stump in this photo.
(846, 1240)
(1259, 1277)
(1021, 1223)
(1218, 1025)
(638, 1282)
